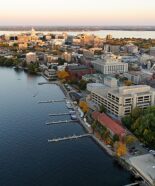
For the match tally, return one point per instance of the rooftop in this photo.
(109, 123)
(125, 91)
(145, 165)
(76, 67)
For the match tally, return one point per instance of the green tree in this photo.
(94, 126)
(142, 124)
(102, 109)
(127, 121)
(136, 113)
(82, 84)
(32, 68)
(115, 138)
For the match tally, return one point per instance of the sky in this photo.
(77, 12)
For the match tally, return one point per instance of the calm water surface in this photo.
(103, 33)
(27, 159)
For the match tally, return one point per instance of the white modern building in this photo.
(135, 76)
(109, 66)
(110, 82)
(95, 86)
(120, 101)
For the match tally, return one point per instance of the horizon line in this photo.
(33, 25)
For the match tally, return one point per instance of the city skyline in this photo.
(72, 13)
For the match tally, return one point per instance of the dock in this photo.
(132, 184)
(60, 114)
(50, 83)
(69, 138)
(52, 101)
(63, 113)
(59, 122)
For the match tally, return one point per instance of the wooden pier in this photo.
(69, 138)
(48, 83)
(132, 184)
(63, 113)
(60, 122)
(52, 101)
(60, 114)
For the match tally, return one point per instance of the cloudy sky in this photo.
(77, 12)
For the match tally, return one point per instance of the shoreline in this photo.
(120, 160)
(85, 127)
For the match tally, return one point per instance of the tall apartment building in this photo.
(120, 101)
(109, 67)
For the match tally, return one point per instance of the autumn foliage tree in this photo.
(130, 139)
(121, 149)
(62, 74)
(84, 106)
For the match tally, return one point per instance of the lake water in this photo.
(26, 157)
(103, 33)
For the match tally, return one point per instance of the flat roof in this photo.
(107, 62)
(145, 165)
(128, 91)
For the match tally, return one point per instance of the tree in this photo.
(82, 84)
(102, 109)
(94, 125)
(136, 113)
(142, 124)
(62, 74)
(115, 138)
(121, 149)
(127, 121)
(130, 139)
(84, 106)
(106, 135)
(33, 68)
(15, 45)
(8, 61)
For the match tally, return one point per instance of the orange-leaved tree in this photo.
(121, 149)
(62, 74)
(84, 106)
